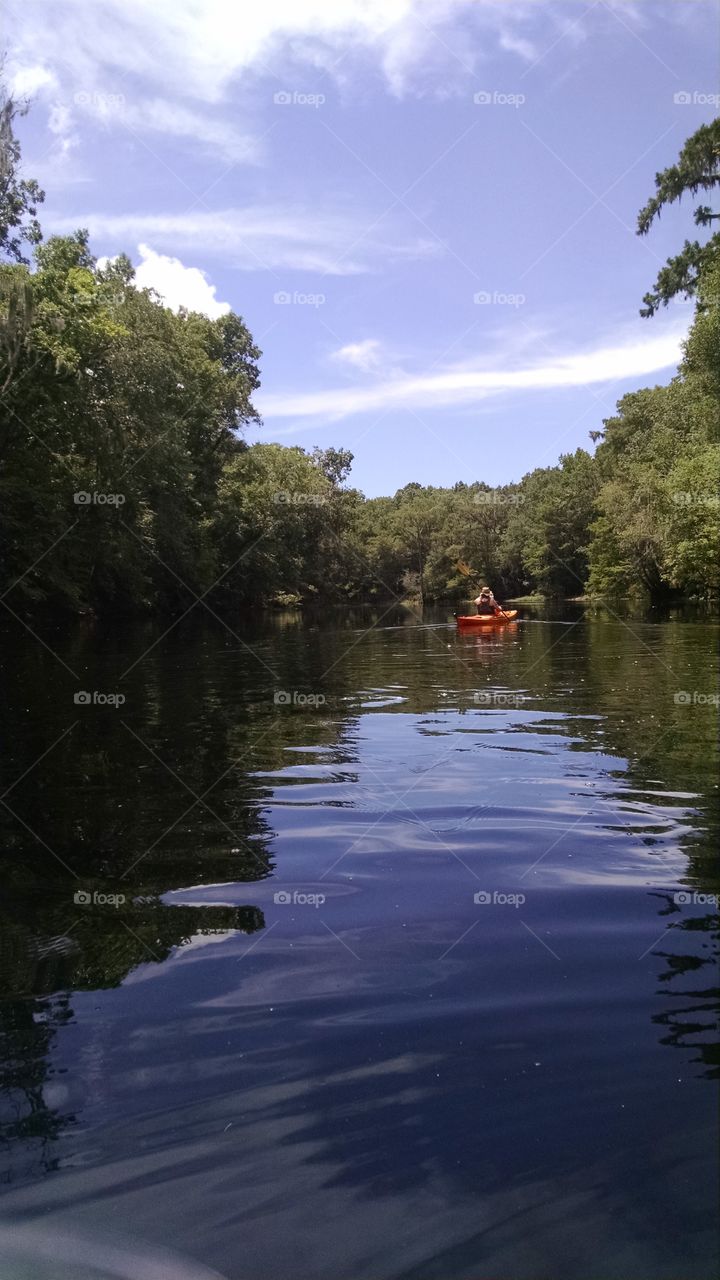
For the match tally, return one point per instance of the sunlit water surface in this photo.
(414, 971)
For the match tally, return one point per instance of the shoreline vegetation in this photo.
(126, 486)
(708, 605)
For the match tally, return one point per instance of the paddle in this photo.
(467, 572)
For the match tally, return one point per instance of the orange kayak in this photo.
(485, 620)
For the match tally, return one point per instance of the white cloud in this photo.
(518, 44)
(61, 125)
(200, 53)
(59, 119)
(143, 115)
(26, 80)
(365, 355)
(259, 238)
(463, 385)
(173, 120)
(197, 49)
(219, 135)
(178, 285)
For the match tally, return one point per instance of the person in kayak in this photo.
(486, 603)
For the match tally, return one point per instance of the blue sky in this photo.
(423, 209)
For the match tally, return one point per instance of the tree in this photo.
(380, 555)
(658, 469)
(335, 464)
(417, 522)
(125, 483)
(697, 169)
(112, 393)
(551, 526)
(272, 504)
(693, 552)
(16, 313)
(484, 526)
(19, 197)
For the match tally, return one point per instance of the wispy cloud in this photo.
(520, 45)
(256, 238)
(465, 385)
(174, 120)
(199, 50)
(212, 55)
(365, 355)
(61, 124)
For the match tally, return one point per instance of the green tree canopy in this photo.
(19, 197)
(697, 169)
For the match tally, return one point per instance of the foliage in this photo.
(659, 466)
(125, 483)
(697, 169)
(117, 419)
(19, 197)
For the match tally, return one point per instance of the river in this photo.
(353, 948)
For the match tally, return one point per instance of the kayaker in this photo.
(486, 603)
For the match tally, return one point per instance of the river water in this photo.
(359, 949)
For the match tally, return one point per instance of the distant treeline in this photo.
(125, 483)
